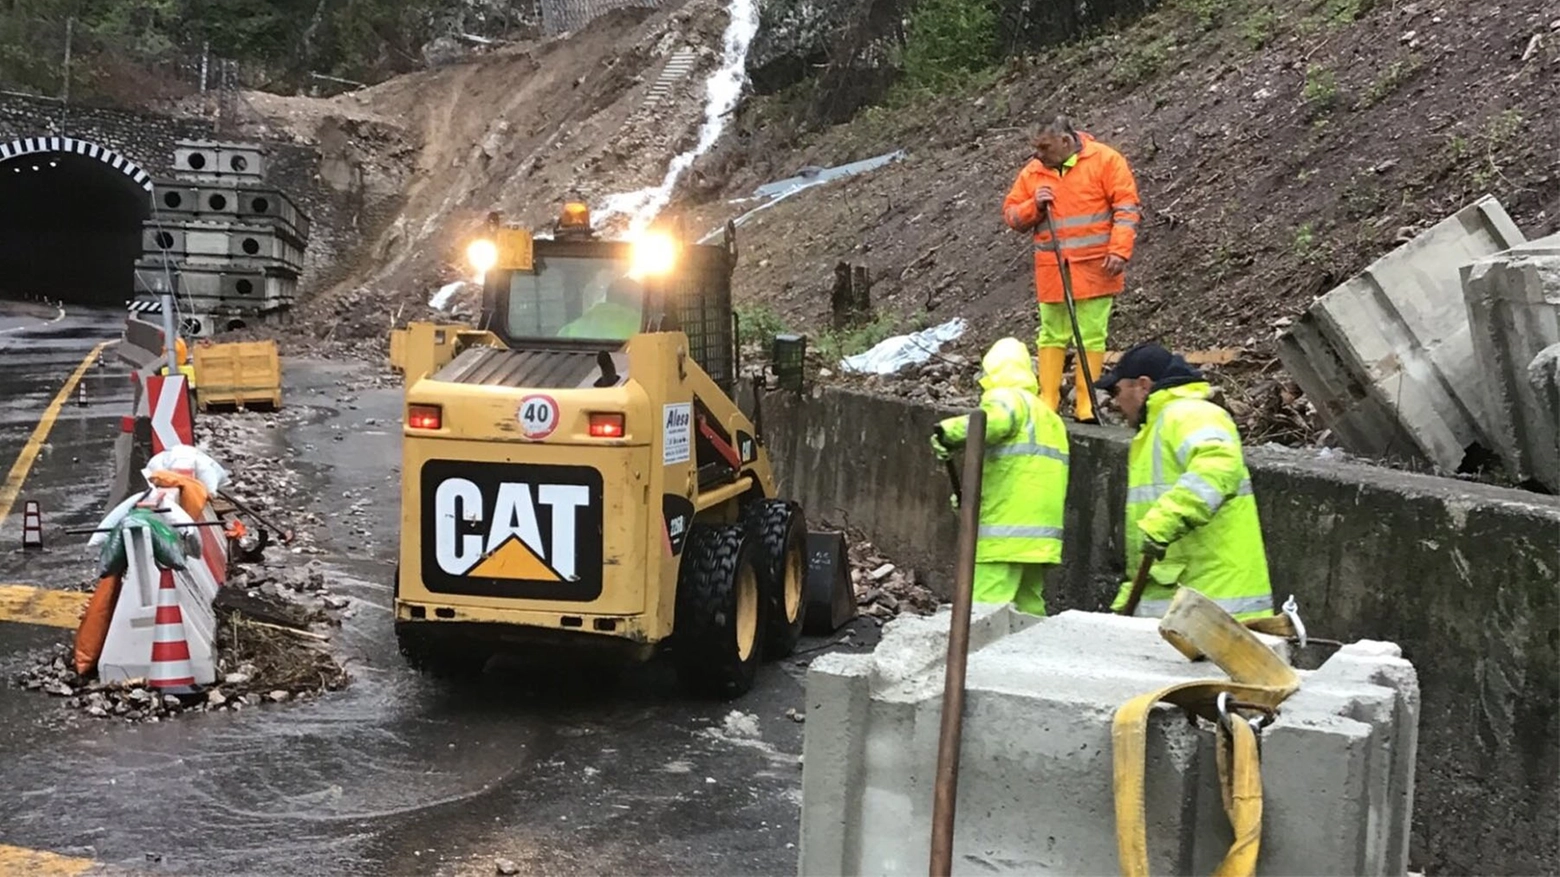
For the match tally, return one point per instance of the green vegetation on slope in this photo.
(120, 49)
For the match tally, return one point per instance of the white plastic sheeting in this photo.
(893, 354)
(207, 471)
(441, 299)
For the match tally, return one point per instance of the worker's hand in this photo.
(1154, 550)
(953, 501)
(1114, 265)
(940, 449)
(1043, 198)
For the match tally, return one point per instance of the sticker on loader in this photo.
(538, 416)
(678, 432)
(512, 530)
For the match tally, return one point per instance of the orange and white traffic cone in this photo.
(32, 525)
(171, 670)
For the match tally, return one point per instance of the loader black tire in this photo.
(778, 530)
(443, 662)
(720, 613)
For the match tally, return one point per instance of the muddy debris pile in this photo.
(258, 662)
(883, 590)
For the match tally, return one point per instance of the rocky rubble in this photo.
(274, 612)
(258, 660)
(883, 590)
(256, 665)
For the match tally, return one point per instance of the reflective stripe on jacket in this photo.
(1096, 211)
(1188, 487)
(1024, 475)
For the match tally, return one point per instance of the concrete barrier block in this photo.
(1513, 309)
(1036, 788)
(1393, 342)
(838, 696)
(1382, 664)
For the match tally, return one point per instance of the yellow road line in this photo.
(30, 605)
(24, 461)
(21, 860)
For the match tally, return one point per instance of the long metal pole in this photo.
(170, 336)
(946, 787)
(1072, 308)
(70, 31)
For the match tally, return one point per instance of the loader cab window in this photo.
(578, 297)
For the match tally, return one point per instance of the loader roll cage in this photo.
(560, 302)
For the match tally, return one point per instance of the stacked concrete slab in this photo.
(229, 247)
(1035, 786)
(1513, 305)
(1388, 358)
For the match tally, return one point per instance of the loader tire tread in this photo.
(443, 663)
(778, 529)
(705, 650)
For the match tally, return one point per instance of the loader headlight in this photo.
(653, 253)
(482, 254)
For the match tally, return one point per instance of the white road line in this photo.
(57, 317)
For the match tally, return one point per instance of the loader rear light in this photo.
(424, 416)
(606, 425)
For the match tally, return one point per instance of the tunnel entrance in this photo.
(70, 222)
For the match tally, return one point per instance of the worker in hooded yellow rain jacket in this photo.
(1189, 500)
(1023, 481)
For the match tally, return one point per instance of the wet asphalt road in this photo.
(395, 774)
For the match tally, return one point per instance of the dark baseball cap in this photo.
(1147, 360)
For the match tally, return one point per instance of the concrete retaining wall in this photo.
(1462, 576)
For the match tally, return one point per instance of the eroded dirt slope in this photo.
(1279, 148)
(519, 130)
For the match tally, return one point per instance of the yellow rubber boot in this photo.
(1051, 361)
(1083, 406)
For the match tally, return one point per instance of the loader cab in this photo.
(577, 292)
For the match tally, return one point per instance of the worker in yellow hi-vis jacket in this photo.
(1189, 501)
(1023, 482)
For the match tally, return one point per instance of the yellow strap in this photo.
(1196, 626)
(1240, 776)
(1273, 625)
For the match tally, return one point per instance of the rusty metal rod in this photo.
(946, 787)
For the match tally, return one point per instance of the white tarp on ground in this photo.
(893, 354)
(441, 299)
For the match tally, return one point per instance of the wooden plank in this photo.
(1216, 356)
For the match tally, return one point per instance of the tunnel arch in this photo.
(71, 217)
(31, 145)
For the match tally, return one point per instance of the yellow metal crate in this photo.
(239, 373)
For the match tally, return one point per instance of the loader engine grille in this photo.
(542, 369)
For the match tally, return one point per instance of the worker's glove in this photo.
(953, 501)
(940, 449)
(1153, 549)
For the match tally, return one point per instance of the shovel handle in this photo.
(1138, 583)
(285, 532)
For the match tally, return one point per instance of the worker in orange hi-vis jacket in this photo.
(1092, 197)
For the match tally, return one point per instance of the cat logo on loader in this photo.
(576, 475)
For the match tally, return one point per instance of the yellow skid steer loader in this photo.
(577, 478)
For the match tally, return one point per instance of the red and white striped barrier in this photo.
(172, 424)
